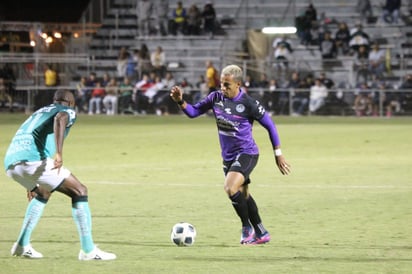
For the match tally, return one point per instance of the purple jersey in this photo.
(234, 120)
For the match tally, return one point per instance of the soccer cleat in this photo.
(96, 254)
(248, 234)
(25, 251)
(263, 239)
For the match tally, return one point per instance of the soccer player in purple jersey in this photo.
(235, 111)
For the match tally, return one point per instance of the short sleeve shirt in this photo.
(34, 140)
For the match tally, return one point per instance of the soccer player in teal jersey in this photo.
(235, 111)
(34, 159)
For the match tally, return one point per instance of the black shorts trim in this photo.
(243, 163)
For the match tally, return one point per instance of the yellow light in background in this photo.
(57, 35)
(44, 35)
(32, 43)
(76, 35)
(49, 40)
(279, 30)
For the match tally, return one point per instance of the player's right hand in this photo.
(176, 94)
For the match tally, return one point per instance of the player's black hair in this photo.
(62, 95)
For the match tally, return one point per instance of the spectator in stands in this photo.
(363, 100)
(169, 81)
(194, 20)
(125, 102)
(282, 57)
(158, 61)
(90, 84)
(80, 95)
(110, 98)
(144, 65)
(395, 100)
(327, 49)
(326, 81)
(5, 96)
(122, 60)
(131, 65)
(144, 12)
(162, 13)
(318, 94)
(155, 97)
(187, 88)
(376, 60)
(342, 38)
(299, 91)
(284, 39)
(91, 80)
(391, 11)
(95, 102)
(179, 23)
(51, 77)
(140, 100)
(209, 19)
(249, 85)
(45, 96)
(358, 38)
(361, 64)
(8, 85)
(212, 76)
(105, 79)
(365, 10)
(201, 89)
(304, 24)
(267, 91)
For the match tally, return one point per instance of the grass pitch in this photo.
(346, 207)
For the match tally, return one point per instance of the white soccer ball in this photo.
(183, 234)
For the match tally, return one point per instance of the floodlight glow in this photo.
(279, 30)
(32, 43)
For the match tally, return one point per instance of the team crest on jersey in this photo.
(240, 108)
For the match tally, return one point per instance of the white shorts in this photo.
(31, 174)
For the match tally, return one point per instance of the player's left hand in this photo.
(58, 162)
(31, 195)
(283, 166)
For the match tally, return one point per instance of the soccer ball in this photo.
(183, 234)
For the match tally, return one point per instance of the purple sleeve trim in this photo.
(270, 126)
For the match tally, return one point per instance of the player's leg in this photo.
(261, 234)
(236, 172)
(233, 187)
(72, 187)
(27, 174)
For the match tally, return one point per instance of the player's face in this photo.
(229, 87)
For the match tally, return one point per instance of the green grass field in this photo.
(346, 207)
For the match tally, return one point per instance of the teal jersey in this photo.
(34, 140)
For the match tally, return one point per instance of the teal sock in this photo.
(33, 213)
(82, 217)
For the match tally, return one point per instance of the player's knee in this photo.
(231, 189)
(81, 190)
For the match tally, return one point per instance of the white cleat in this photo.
(96, 254)
(25, 251)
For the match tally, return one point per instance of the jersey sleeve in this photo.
(257, 110)
(72, 116)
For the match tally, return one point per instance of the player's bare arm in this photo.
(60, 122)
(283, 166)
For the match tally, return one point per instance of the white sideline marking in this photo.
(259, 185)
